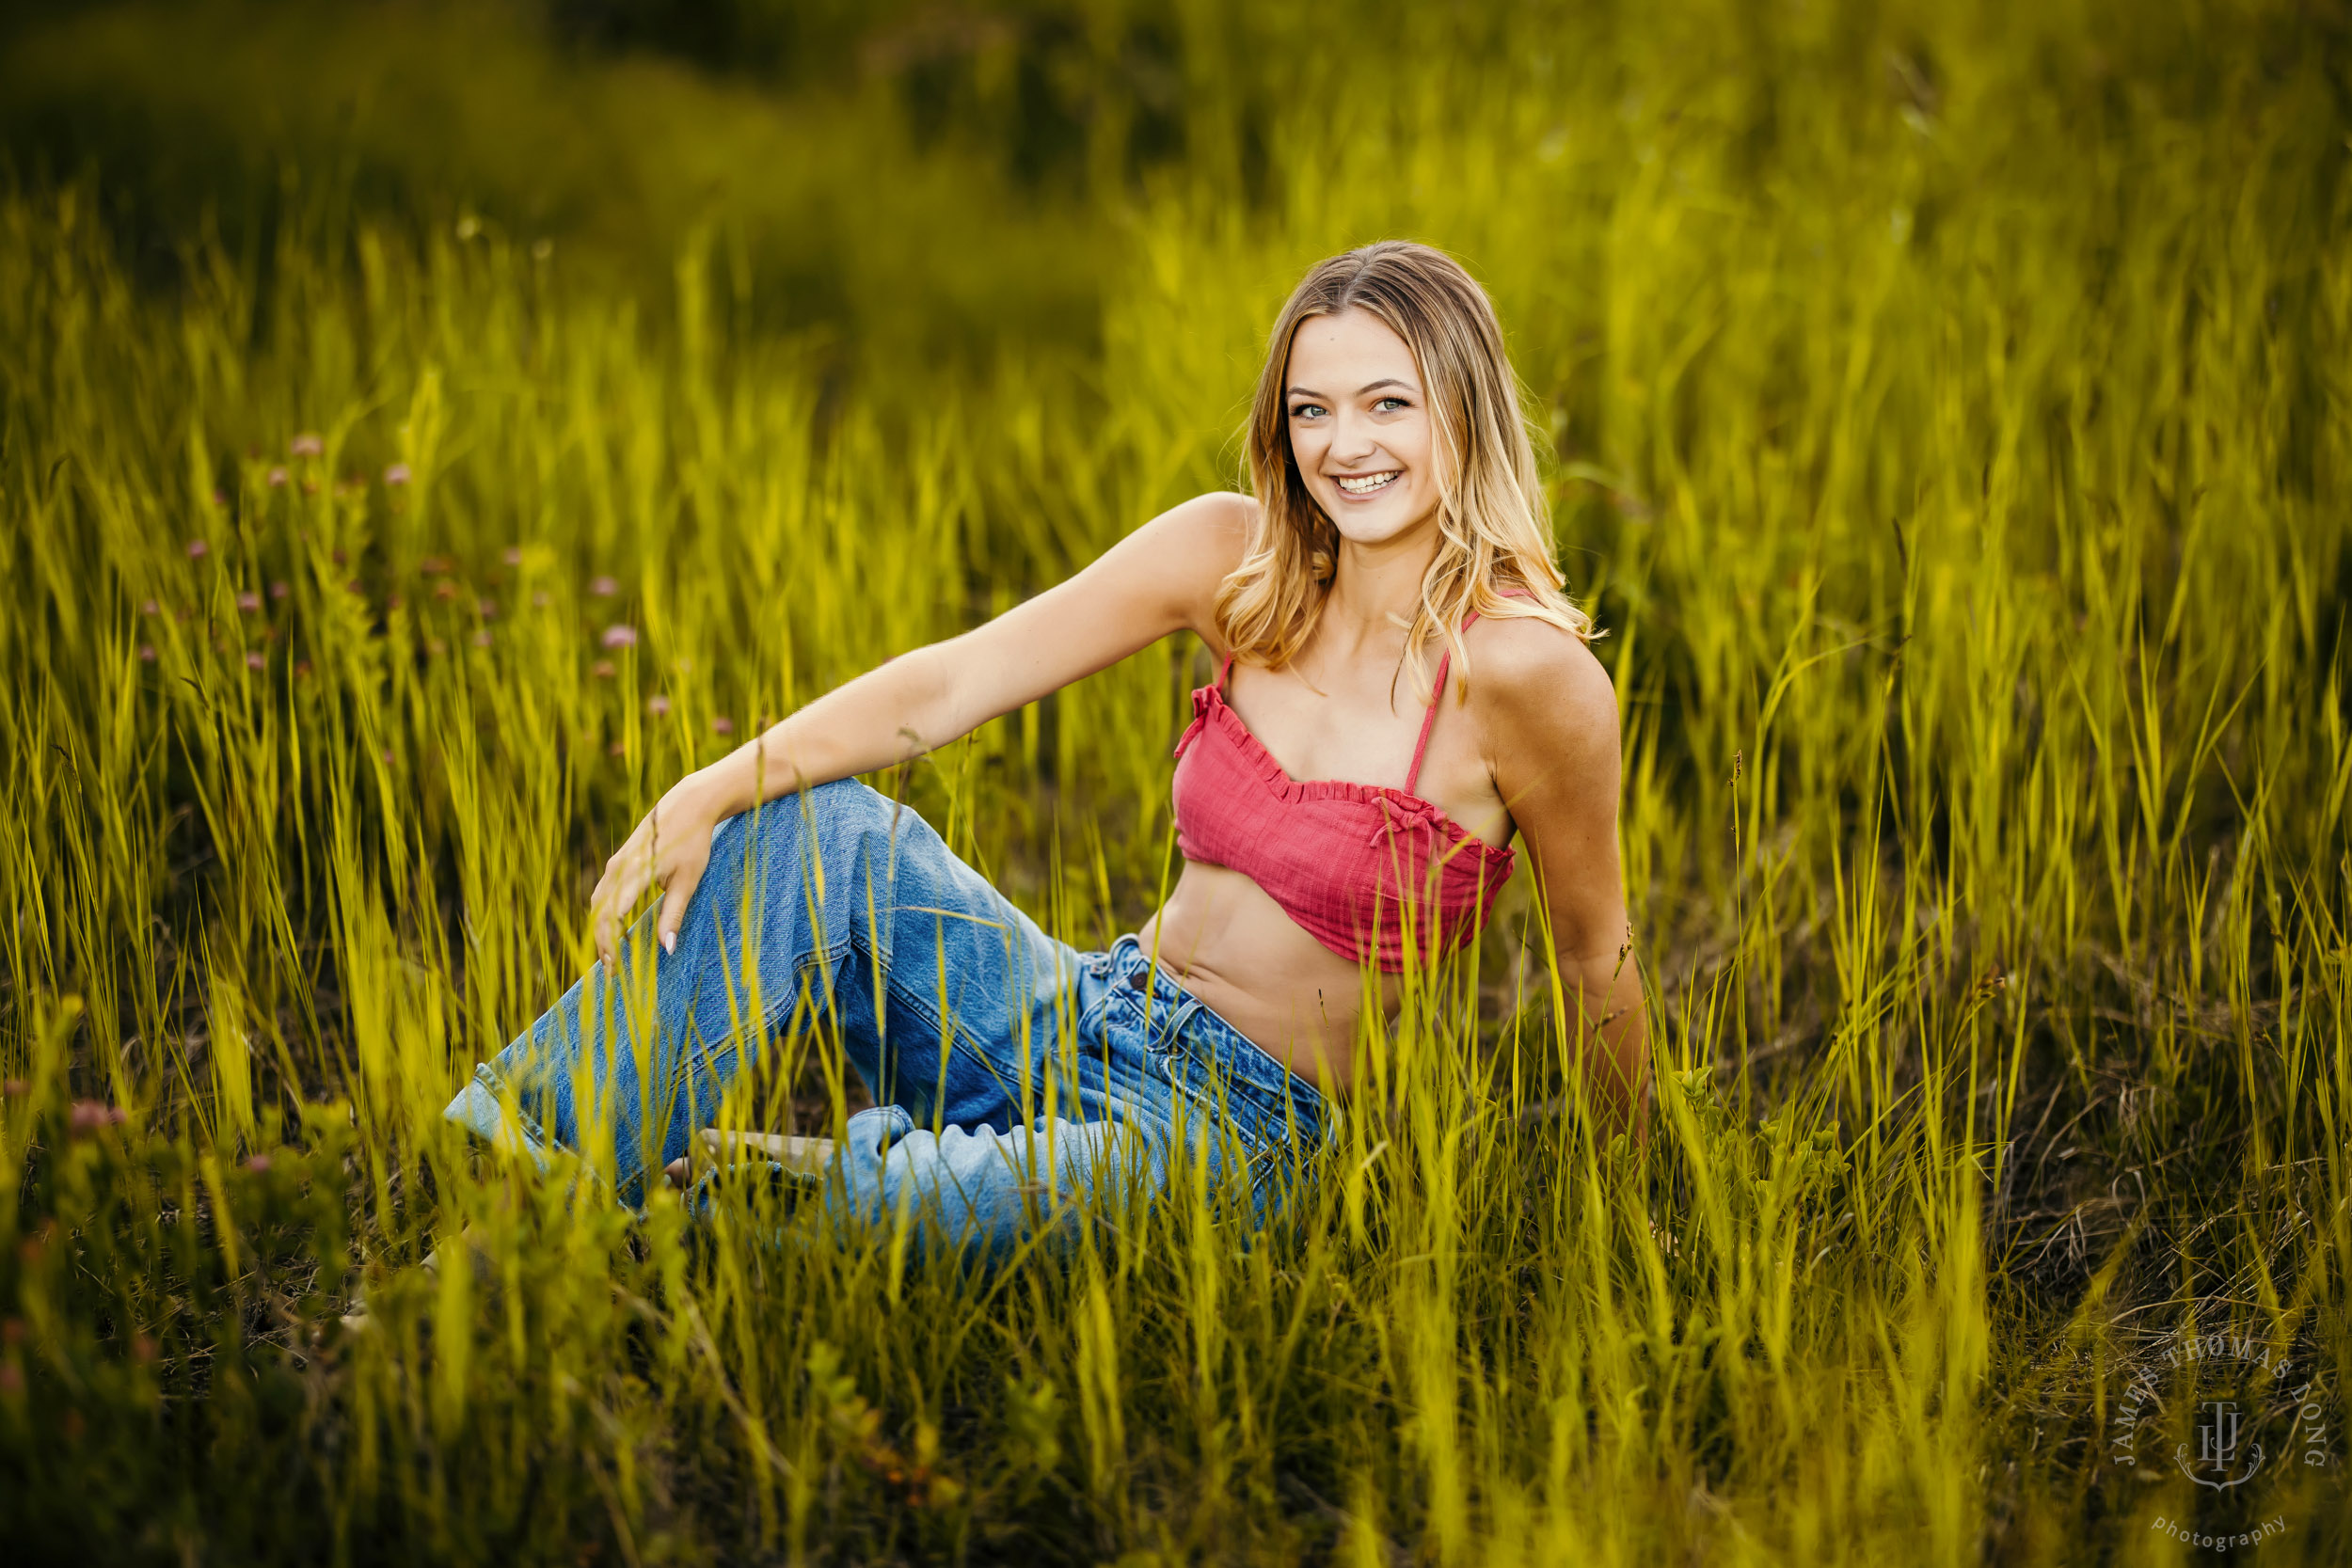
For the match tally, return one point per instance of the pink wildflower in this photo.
(483, 638)
(280, 590)
(147, 652)
(196, 549)
(278, 479)
(657, 705)
(305, 445)
(722, 725)
(602, 669)
(247, 603)
(512, 555)
(148, 607)
(396, 475)
(603, 588)
(88, 1116)
(254, 661)
(620, 637)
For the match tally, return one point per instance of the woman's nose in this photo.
(1352, 439)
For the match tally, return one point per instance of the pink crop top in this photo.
(1340, 858)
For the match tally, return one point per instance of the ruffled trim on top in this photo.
(1401, 811)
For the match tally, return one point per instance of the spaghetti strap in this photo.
(1224, 676)
(1445, 662)
(1412, 771)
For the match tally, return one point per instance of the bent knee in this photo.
(852, 817)
(843, 811)
(847, 802)
(843, 808)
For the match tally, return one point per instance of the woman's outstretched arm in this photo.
(1160, 579)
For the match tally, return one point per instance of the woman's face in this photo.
(1359, 426)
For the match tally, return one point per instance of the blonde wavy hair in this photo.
(1493, 518)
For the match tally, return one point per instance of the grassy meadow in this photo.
(423, 437)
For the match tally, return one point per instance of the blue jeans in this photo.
(1012, 1075)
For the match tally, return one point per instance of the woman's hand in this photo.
(670, 849)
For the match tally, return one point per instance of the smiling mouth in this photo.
(1365, 484)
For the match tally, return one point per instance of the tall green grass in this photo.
(1951, 417)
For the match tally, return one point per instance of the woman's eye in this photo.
(1307, 411)
(1389, 405)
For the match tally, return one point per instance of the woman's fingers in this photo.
(617, 894)
(603, 911)
(689, 859)
(676, 894)
(673, 862)
(609, 934)
(597, 900)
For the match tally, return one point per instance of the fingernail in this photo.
(669, 941)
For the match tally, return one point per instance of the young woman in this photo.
(1404, 688)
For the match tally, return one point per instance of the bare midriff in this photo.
(1224, 940)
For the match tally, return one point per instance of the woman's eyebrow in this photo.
(1367, 386)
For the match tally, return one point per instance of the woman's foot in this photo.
(799, 1158)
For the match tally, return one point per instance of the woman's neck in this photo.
(1375, 591)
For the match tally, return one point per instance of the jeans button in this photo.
(1135, 980)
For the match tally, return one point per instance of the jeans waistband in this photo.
(1241, 1062)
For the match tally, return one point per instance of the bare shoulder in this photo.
(1541, 701)
(1216, 525)
(1188, 550)
(1546, 718)
(1530, 677)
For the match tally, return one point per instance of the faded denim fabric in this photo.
(1011, 1074)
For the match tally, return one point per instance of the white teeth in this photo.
(1362, 485)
